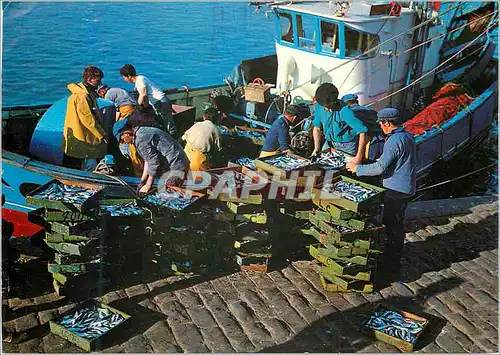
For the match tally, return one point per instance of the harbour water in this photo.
(46, 46)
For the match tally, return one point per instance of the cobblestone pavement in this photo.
(449, 275)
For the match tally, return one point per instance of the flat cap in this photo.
(388, 114)
(349, 97)
(293, 110)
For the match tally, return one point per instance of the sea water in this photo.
(193, 44)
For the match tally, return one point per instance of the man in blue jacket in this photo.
(278, 137)
(397, 168)
(334, 120)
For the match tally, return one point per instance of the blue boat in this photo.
(387, 54)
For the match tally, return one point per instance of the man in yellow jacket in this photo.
(84, 138)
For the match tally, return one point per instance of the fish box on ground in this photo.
(399, 328)
(89, 324)
(250, 199)
(77, 197)
(174, 199)
(350, 194)
(344, 279)
(331, 287)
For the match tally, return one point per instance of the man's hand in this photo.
(356, 160)
(145, 189)
(352, 166)
(315, 153)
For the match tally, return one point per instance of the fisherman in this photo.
(397, 167)
(161, 153)
(375, 137)
(278, 138)
(203, 141)
(84, 137)
(124, 102)
(337, 122)
(151, 94)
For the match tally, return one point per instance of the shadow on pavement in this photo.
(343, 331)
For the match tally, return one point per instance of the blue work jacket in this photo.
(397, 163)
(278, 137)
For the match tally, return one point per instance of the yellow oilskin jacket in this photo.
(83, 135)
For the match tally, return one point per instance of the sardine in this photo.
(286, 162)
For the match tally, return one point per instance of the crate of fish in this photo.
(331, 159)
(56, 195)
(350, 194)
(174, 199)
(122, 209)
(399, 328)
(234, 180)
(88, 324)
(359, 287)
(342, 249)
(256, 135)
(245, 162)
(283, 164)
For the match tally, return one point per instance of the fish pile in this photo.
(246, 162)
(334, 160)
(175, 200)
(286, 162)
(250, 134)
(238, 180)
(91, 322)
(66, 193)
(394, 324)
(127, 209)
(350, 190)
(223, 130)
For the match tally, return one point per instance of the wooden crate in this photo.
(197, 197)
(338, 267)
(284, 174)
(343, 202)
(328, 286)
(255, 92)
(87, 205)
(259, 141)
(86, 344)
(401, 344)
(51, 215)
(242, 208)
(237, 193)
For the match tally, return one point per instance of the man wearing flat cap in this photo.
(278, 138)
(397, 168)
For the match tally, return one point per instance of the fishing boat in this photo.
(388, 53)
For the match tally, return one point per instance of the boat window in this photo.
(356, 43)
(330, 37)
(286, 28)
(306, 30)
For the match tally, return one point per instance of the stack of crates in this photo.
(347, 233)
(73, 234)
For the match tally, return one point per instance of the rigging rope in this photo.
(457, 178)
(429, 72)
(377, 46)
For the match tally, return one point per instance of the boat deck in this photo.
(449, 274)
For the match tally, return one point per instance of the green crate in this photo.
(262, 164)
(89, 204)
(338, 267)
(73, 268)
(252, 259)
(357, 287)
(356, 207)
(401, 344)
(62, 238)
(332, 209)
(86, 344)
(83, 250)
(253, 248)
(362, 275)
(44, 216)
(331, 252)
(64, 259)
(243, 208)
(72, 228)
(356, 247)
